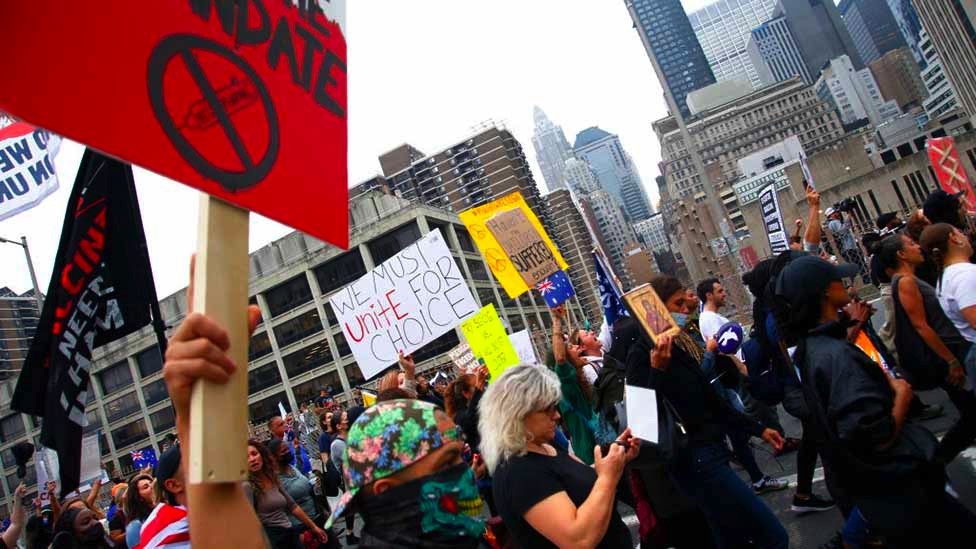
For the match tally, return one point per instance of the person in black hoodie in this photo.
(889, 467)
(735, 514)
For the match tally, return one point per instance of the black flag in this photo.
(101, 289)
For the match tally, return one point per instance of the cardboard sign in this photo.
(524, 245)
(405, 303)
(489, 341)
(522, 342)
(952, 174)
(244, 100)
(502, 267)
(463, 358)
(27, 173)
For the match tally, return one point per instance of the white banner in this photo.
(773, 220)
(26, 167)
(405, 303)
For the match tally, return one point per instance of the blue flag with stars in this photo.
(613, 307)
(556, 289)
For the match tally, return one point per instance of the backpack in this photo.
(765, 383)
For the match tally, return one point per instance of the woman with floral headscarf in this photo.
(405, 475)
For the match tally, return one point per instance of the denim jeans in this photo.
(734, 512)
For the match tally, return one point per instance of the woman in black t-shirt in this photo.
(547, 497)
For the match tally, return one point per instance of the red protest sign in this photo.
(952, 174)
(242, 99)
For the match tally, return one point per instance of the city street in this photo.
(810, 530)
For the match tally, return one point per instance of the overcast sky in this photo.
(426, 73)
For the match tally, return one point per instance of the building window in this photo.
(260, 345)
(517, 323)
(11, 427)
(901, 199)
(341, 345)
(149, 361)
(262, 378)
(115, 377)
(266, 408)
(122, 407)
(298, 328)
(155, 392)
(464, 239)
(307, 391)
(94, 423)
(307, 358)
(285, 297)
(163, 419)
(340, 271)
(393, 242)
(7, 456)
(874, 201)
(440, 345)
(130, 434)
(477, 268)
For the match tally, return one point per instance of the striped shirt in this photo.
(166, 527)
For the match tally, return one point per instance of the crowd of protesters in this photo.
(542, 455)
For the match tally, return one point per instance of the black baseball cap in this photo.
(942, 207)
(807, 277)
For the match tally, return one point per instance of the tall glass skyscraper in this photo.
(911, 27)
(671, 42)
(614, 170)
(723, 30)
(552, 150)
(872, 26)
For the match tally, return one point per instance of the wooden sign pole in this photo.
(218, 413)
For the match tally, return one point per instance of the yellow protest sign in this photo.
(489, 341)
(369, 398)
(503, 268)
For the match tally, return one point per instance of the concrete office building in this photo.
(849, 172)
(951, 27)
(899, 78)
(723, 30)
(297, 349)
(552, 150)
(774, 53)
(576, 245)
(854, 92)
(724, 135)
(819, 32)
(18, 322)
(872, 26)
(677, 57)
(942, 97)
(473, 171)
(614, 169)
(652, 234)
(743, 126)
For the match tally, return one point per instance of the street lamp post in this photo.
(30, 268)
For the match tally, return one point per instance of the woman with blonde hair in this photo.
(546, 496)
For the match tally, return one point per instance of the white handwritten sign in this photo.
(403, 304)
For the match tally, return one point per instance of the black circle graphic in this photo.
(184, 45)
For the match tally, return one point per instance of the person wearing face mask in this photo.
(77, 528)
(701, 469)
(406, 477)
(272, 502)
(299, 488)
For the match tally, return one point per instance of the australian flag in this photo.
(144, 458)
(556, 289)
(613, 307)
